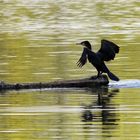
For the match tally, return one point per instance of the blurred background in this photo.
(37, 37)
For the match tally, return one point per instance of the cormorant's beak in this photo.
(78, 44)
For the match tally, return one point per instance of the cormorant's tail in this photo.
(113, 77)
(110, 74)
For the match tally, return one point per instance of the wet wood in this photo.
(91, 82)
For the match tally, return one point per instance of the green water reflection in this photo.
(37, 42)
(37, 38)
(73, 114)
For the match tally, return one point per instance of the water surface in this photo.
(37, 42)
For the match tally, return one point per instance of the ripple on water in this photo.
(133, 83)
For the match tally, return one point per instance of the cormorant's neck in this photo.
(89, 46)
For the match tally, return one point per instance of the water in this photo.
(133, 83)
(37, 42)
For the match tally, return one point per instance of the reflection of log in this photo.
(87, 82)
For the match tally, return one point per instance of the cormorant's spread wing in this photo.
(83, 59)
(108, 50)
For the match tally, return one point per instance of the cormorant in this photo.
(107, 52)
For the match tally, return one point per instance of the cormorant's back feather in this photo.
(108, 50)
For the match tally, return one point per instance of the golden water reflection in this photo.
(37, 38)
(74, 114)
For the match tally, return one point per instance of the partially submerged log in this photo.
(91, 82)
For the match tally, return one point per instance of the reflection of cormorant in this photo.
(87, 116)
(108, 116)
(102, 105)
(107, 52)
(100, 116)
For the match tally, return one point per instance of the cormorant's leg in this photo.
(99, 74)
(95, 77)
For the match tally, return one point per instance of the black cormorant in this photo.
(107, 52)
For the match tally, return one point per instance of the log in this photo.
(91, 82)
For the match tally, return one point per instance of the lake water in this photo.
(37, 42)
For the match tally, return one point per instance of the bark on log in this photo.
(91, 82)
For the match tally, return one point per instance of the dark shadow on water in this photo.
(98, 117)
(101, 114)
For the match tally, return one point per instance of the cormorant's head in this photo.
(85, 44)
